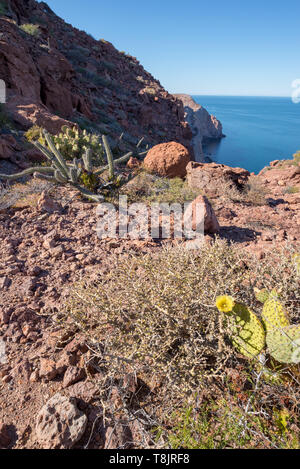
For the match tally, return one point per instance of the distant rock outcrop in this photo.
(204, 126)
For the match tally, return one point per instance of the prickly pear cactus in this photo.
(274, 314)
(264, 295)
(248, 334)
(284, 344)
(261, 295)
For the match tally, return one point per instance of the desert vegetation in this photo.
(31, 29)
(155, 318)
(179, 342)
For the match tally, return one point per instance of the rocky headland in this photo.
(204, 126)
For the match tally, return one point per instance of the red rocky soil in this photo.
(43, 251)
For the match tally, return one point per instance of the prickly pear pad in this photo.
(248, 334)
(274, 314)
(284, 344)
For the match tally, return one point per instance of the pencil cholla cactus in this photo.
(62, 172)
(71, 143)
(80, 173)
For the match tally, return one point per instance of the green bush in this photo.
(3, 7)
(32, 29)
(297, 157)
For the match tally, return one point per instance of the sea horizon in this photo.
(237, 95)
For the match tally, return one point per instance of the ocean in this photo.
(258, 130)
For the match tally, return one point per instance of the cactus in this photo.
(79, 173)
(62, 172)
(283, 340)
(250, 337)
(71, 143)
(261, 295)
(274, 315)
(247, 332)
(284, 344)
(110, 158)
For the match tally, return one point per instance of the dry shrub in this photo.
(22, 195)
(153, 318)
(253, 192)
(146, 187)
(158, 311)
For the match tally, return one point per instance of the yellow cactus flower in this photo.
(225, 304)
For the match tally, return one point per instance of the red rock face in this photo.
(168, 160)
(279, 177)
(64, 74)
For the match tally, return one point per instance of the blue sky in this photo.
(232, 47)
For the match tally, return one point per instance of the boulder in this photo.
(133, 163)
(168, 160)
(73, 375)
(60, 424)
(211, 224)
(287, 176)
(212, 177)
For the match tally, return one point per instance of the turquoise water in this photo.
(258, 130)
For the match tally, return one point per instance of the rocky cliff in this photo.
(55, 73)
(204, 126)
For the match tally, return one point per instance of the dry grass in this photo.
(146, 187)
(154, 317)
(293, 190)
(22, 195)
